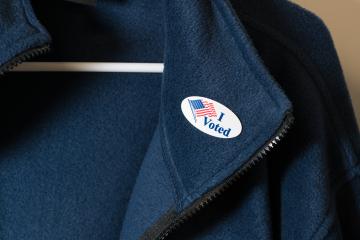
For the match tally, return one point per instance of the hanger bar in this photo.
(89, 67)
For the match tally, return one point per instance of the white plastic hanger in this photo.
(89, 67)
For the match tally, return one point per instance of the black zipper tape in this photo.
(211, 196)
(24, 56)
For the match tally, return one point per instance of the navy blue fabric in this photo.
(110, 155)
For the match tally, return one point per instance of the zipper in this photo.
(221, 189)
(24, 56)
(210, 196)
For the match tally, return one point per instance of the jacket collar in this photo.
(207, 53)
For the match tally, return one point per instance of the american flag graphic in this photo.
(202, 108)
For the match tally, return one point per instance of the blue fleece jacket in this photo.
(97, 156)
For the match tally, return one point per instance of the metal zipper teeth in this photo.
(22, 57)
(215, 193)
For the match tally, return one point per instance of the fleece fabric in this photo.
(110, 155)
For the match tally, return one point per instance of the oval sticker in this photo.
(211, 117)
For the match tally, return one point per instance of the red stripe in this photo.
(209, 110)
(206, 108)
(206, 112)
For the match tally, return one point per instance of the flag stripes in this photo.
(203, 108)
